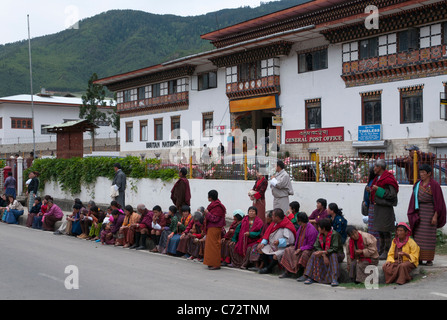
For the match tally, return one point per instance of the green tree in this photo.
(92, 100)
(115, 120)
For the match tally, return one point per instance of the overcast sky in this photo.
(52, 16)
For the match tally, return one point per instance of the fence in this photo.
(339, 169)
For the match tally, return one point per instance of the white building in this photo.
(16, 129)
(338, 85)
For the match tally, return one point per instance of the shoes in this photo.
(141, 248)
(264, 271)
(134, 246)
(285, 275)
(213, 268)
(302, 279)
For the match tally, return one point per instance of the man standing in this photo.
(281, 187)
(181, 193)
(120, 182)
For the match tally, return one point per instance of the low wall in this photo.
(233, 195)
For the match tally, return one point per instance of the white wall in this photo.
(233, 195)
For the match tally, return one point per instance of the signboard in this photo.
(170, 144)
(277, 121)
(370, 133)
(315, 135)
(220, 130)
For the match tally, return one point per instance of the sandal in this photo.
(309, 281)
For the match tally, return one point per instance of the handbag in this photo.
(365, 209)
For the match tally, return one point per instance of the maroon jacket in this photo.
(215, 218)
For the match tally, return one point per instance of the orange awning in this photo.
(254, 104)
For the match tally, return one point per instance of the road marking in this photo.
(51, 277)
(444, 295)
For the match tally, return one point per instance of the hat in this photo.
(412, 148)
(403, 224)
(239, 212)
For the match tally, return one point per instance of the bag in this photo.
(365, 209)
(114, 192)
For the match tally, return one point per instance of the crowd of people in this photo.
(309, 248)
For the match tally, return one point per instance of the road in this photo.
(33, 266)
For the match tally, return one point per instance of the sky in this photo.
(52, 16)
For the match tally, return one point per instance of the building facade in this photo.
(333, 77)
(16, 125)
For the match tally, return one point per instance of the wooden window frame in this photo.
(158, 122)
(28, 123)
(313, 54)
(143, 124)
(129, 125)
(376, 96)
(312, 104)
(173, 120)
(206, 116)
(415, 91)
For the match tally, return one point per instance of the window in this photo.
(175, 128)
(250, 71)
(313, 61)
(208, 124)
(21, 123)
(270, 67)
(350, 52)
(411, 105)
(388, 44)
(158, 129)
(445, 33)
(43, 130)
(313, 114)
(369, 48)
(232, 74)
(129, 131)
(127, 96)
(141, 93)
(372, 109)
(408, 40)
(156, 90)
(207, 80)
(172, 87)
(1, 123)
(143, 130)
(431, 36)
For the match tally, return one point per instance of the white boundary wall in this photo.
(233, 195)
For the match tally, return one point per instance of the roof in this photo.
(85, 125)
(53, 100)
(301, 9)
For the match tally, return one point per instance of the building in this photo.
(334, 77)
(16, 125)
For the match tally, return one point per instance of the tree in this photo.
(92, 100)
(115, 120)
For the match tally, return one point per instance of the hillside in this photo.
(114, 42)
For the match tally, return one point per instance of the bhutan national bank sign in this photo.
(315, 135)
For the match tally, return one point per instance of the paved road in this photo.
(33, 265)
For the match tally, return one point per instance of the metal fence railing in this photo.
(339, 169)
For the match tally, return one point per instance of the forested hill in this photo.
(114, 42)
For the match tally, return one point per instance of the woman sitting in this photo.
(13, 211)
(403, 257)
(174, 238)
(227, 240)
(295, 258)
(190, 243)
(35, 210)
(170, 230)
(339, 222)
(246, 236)
(324, 264)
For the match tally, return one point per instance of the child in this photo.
(107, 236)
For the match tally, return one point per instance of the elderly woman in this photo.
(361, 253)
(426, 213)
(246, 236)
(403, 257)
(227, 239)
(383, 193)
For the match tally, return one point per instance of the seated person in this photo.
(13, 211)
(53, 215)
(35, 210)
(403, 257)
(294, 209)
(142, 228)
(238, 214)
(279, 235)
(158, 224)
(319, 213)
(361, 253)
(324, 264)
(295, 258)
